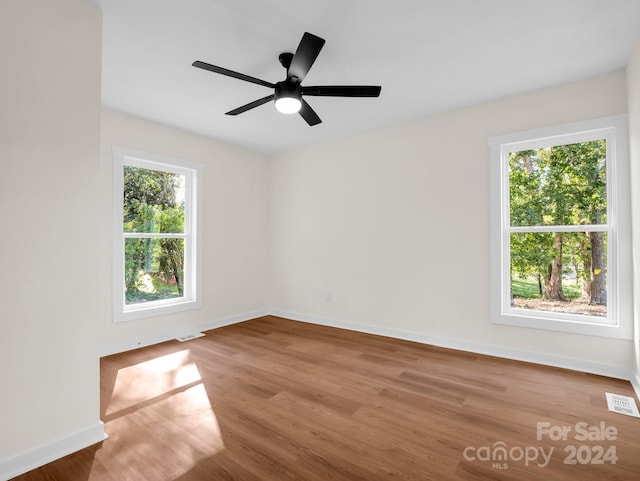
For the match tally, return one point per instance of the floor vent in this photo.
(188, 337)
(622, 404)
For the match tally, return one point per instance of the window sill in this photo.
(590, 326)
(154, 309)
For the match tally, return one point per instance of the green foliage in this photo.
(531, 253)
(558, 185)
(154, 268)
(150, 203)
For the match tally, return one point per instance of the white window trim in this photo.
(619, 322)
(192, 298)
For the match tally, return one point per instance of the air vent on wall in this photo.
(188, 337)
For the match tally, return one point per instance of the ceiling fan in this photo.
(289, 92)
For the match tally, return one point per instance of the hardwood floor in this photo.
(272, 399)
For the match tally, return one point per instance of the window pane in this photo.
(559, 185)
(153, 201)
(559, 272)
(154, 269)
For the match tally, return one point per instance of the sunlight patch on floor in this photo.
(165, 399)
(151, 379)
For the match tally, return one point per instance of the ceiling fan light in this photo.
(288, 105)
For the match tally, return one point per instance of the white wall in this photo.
(390, 230)
(49, 152)
(633, 82)
(387, 229)
(236, 218)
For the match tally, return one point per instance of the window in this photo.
(560, 247)
(156, 244)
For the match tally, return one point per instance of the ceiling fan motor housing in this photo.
(288, 96)
(288, 89)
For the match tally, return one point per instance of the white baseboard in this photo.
(635, 382)
(135, 343)
(12, 467)
(227, 321)
(486, 349)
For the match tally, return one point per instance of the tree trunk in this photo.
(511, 290)
(584, 250)
(553, 285)
(540, 291)
(598, 291)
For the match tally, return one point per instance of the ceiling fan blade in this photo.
(309, 114)
(251, 105)
(231, 73)
(343, 90)
(308, 50)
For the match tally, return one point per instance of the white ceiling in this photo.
(429, 56)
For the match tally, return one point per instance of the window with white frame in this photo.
(157, 234)
(561, 228)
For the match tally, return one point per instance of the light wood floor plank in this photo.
(273, 399)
